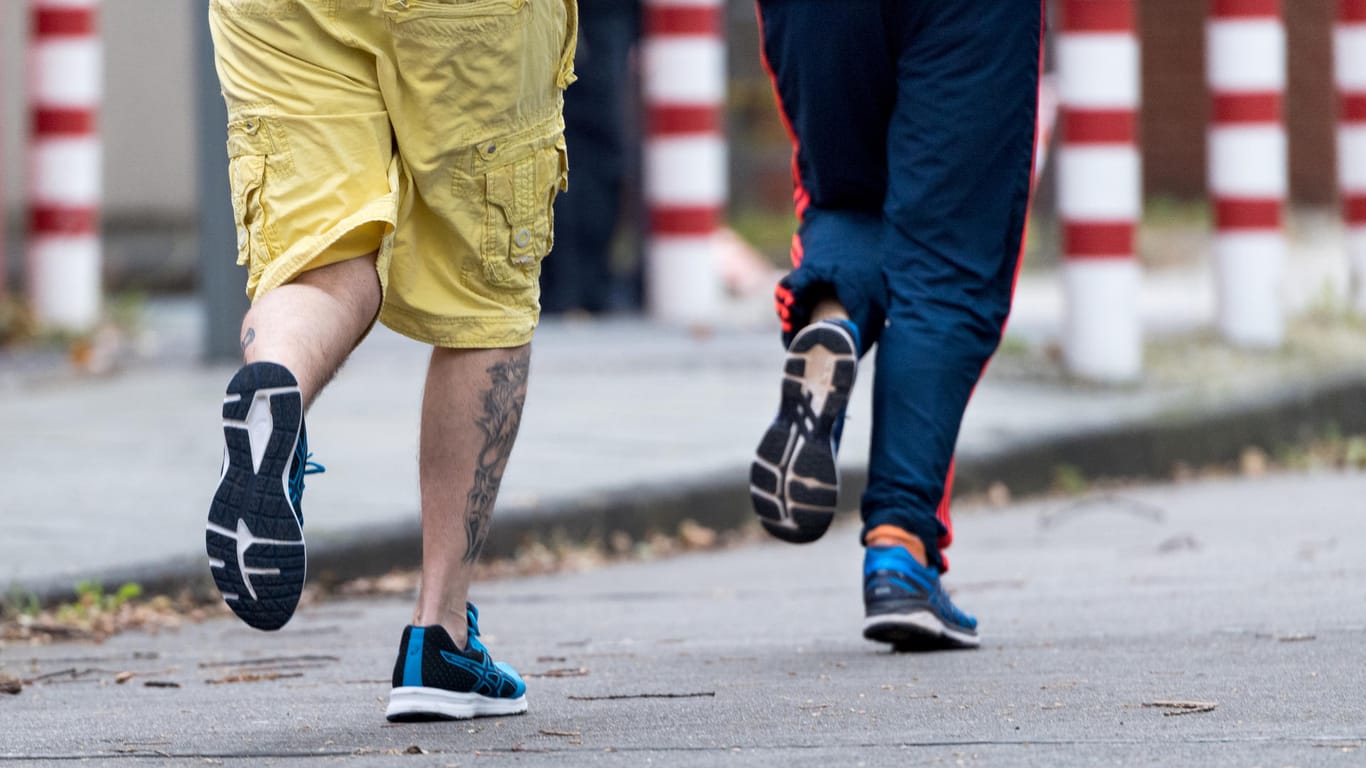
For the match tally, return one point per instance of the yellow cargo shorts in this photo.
(430, 131)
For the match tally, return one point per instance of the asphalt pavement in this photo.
(1208, 623)
(1193, 624)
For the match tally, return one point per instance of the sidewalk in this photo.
(627, 426)
(1092, 611)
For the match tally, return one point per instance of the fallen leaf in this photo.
(161, 684)
(548, 732)
(696, 536)
(414, 750)
(998, 495)
(123, 677)
(11, 685)
(1253, 462)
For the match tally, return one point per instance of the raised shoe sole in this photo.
(794, 480)
(253, 536)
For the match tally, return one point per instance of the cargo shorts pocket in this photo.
(406, 10)
(256, 9)
(253, 148)
(519, 226)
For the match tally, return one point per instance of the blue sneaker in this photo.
(906, 605)
(434, 680)
(794, 480)
(254, 536)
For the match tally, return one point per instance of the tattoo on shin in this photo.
(248, 338)
(502, 416)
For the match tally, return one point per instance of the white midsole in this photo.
(412, 700)
(924, 621)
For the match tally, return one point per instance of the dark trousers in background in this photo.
(914, 122)
(577, 275)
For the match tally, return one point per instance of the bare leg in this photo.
(310, 325)
(471, 410)
(829, 309)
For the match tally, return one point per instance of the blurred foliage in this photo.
(17, 324)
(1160, 211)
(1068, 479)
(91, 599)
(768, 231)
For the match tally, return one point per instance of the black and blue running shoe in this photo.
(255, 534)
(435, 680)
(794, 480)
(907, 606)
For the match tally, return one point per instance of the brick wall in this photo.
(1176, 107)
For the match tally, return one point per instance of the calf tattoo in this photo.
(502, 416)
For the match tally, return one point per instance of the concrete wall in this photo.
(148, 117)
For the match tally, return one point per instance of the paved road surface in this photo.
(1244, 593)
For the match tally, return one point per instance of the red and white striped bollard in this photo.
(685, 156)
(1350, 69)
(1100, 189)
(1247, 168)
(64, 251)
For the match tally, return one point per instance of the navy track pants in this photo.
(914, 124)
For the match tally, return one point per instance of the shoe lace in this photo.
(303, 466)
(472, 626)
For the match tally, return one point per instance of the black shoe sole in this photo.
(794, 481)
(917, 632)
(253, 537)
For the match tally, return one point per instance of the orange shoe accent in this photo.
(892, 536)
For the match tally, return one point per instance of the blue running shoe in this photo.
(906, 605)
(794, 480)
(254, 536)
(434, 680)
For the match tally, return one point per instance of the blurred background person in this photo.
(579, 277)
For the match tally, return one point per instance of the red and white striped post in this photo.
(684, 59)
(1350, 69)
(1247, 168)
(1100, 189)
(66, 61)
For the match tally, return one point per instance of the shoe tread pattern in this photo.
(794, 480)
(258, 502)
